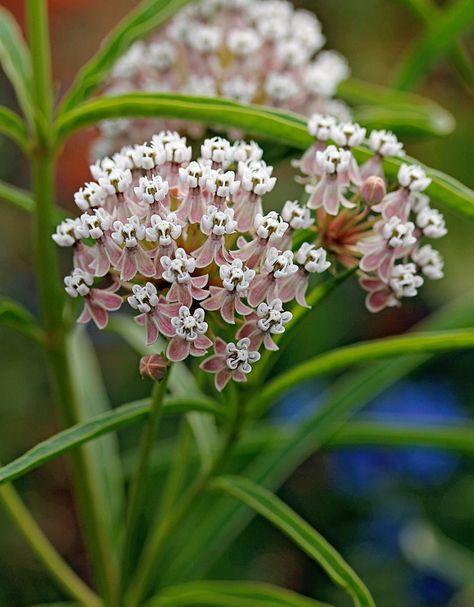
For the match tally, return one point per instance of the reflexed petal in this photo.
(106, 299)
(222, 378)
(213, 364)
(178, 349)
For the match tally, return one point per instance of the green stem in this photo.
(43, 549)
(164, 527)
(140, 477)
(52, 296)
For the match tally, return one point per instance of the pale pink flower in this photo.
(273, 281)
(269, 319)
(230, 361)
(216, 224)
(97, 302)
(236, 279)
(134, 258)
(188, 337)
(184, 287)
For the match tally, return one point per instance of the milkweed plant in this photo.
(183, 245)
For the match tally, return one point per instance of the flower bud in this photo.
(373, 190)
(154, 366)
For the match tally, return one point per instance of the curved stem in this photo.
(140, 477)
(43, 549)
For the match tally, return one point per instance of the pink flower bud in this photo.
(373, 190)
(154, 366)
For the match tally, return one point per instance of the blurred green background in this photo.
(362, 500)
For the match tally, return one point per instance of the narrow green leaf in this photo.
(219, 522)
(17, 196)
(440, 35)
(12, 125)
(16, 61)
(428, 11)
(453, 438)
(98, 426)
(299, 531)
(335, 360)
(93, 400)
(230, 594)
(145, 18)
(405, 113)
(284, 127)
(17, 317)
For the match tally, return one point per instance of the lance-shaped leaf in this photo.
(17, 317)
(145, 18)
(16, 61)
(440, 35)
(335, 360)
(299, 531)
(285, 127)
(230, 594)
(12, 125)
(98, 426)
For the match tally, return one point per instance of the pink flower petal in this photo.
(220, 346)
(227, 309)
(200, 281)
(213, 364)
(178, 349)
(258, 289)
(98, 314)
(128, 265)
(205, 254)
(101, 263)
(151, 331)
(144, 264)
(85, 316)
(106, 299)
(222, 379)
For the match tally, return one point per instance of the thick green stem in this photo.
(51, 296)
(140, 477)
(44, 551)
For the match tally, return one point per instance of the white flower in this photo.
(256, 177)
(419, 201)
(144, 299)
(333, 160)
(204, 38)
(95, 226)
(129, 233)
(413, 177)
(314, 260)
(430, 261)
(399, 234)
(431, 221)
(292, 53)
(78, 283)
(132, 60)
(243, 42)
(281, 86)
(270, 226)
(280, 264)
(176, 151)
(163, 137)
(148, 157)
(178, 269)
(236, 276)
(298, 217)
(404, 280)
(320, 126)
(117, 181)
(204, 86)
(194, 175)
(164, 230)
(239, 88)
(151, 190)
(307, 30)
(90, 196)
(218, 150)
(218, 222)
(189, 325)
(240, 357)
(323, 76)
(243, 151)
(220, 184)
(348, 134)
(68, 232)
(102, 167)
(272, 317)
(385, 143)
(161, 55)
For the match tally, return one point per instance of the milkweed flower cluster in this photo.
(187, 245)
(264, 52)
(359, 223)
